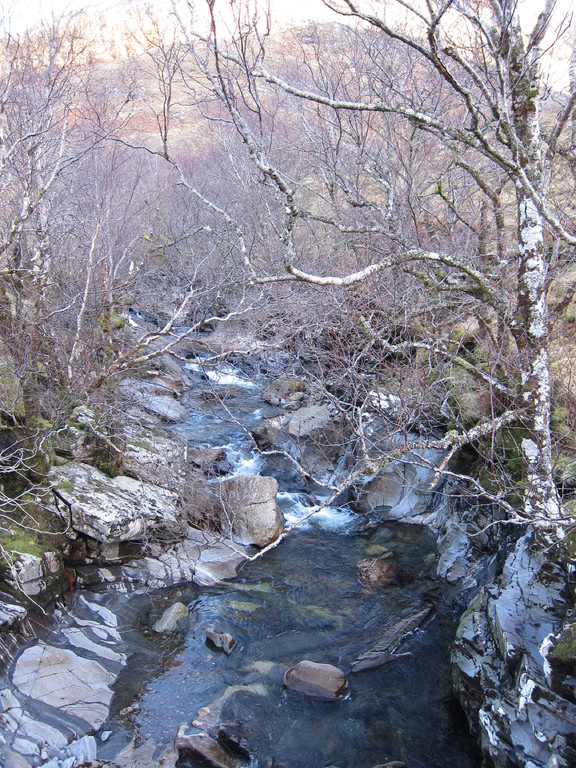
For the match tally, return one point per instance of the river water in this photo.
(303, 600)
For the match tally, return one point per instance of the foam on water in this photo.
(296, 506)
(225, 376)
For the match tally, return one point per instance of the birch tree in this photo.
(469, 80)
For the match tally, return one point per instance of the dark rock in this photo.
(311, 678)
(209, 750)
(222, 641)
(233, 737)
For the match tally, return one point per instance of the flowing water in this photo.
(303, 600)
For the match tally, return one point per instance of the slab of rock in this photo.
(64, 680)
(250, 512)
(112, 509)
(311, 678)
(171, 618)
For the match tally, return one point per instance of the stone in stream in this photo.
(220, 640)
(374, 572)
(171, 618)
(323, 681)
(384, 650)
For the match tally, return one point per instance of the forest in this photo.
(385, 192)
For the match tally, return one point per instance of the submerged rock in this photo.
(311, 678)
(378, 572)
(171, 618)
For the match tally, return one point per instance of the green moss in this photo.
(565, 648)
(111, 321)
(24, 541)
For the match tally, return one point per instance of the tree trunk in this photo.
(532, 337)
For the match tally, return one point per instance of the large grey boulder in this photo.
(250, 513)
(112, 509)
(323, 681)
(314, 435)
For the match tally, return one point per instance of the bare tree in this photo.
(416, 138)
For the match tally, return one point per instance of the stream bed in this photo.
(304, 600)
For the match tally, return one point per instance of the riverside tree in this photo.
(431, 139)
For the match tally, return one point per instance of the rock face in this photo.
(402, 491)
(501, 671)
(322, 681)
(250, 512)
(112, 509)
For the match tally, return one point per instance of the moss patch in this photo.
(565, 648)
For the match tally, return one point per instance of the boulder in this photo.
(374, 572)
(314, 435)
(32, 574)
(250, 513)
(171, 617)
(287, 391)
(144, 392)
(403, 490)
(323, 681)
(112, 509)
